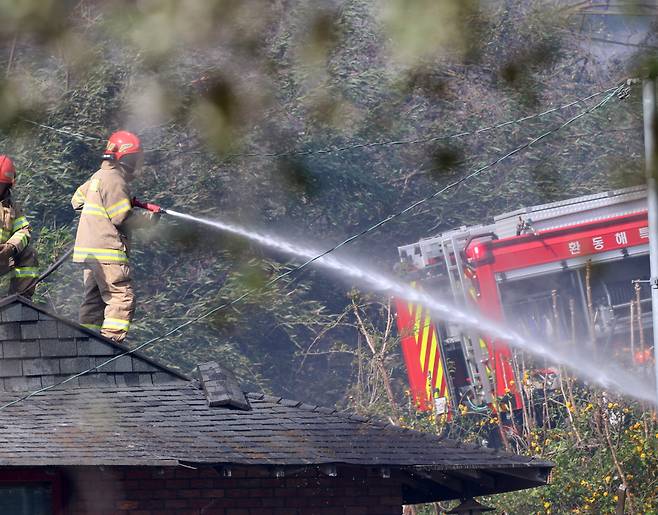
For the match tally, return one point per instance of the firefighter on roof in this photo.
(107, 218)
(16, 253)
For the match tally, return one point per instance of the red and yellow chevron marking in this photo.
(422, 353)
(429, 354)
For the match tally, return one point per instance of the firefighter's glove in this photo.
(7, 252)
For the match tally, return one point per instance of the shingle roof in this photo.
(168, 424)
(141, 413)
(39, 348)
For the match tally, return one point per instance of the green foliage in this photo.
(52, 243)
(586, 478)
(215, 88)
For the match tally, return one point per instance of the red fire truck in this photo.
(574, 270)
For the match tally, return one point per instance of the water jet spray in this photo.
(604, 374)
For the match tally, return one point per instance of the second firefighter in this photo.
(16, 253)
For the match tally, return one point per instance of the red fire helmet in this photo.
(7, 170)
(120, 144)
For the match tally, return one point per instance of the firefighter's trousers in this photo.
(109, 301)
(25, 272)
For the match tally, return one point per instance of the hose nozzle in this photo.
(153, 208)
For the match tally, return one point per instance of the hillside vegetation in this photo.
(314, 120)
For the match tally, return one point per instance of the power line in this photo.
(75, 135)
(622, 43)
(613, 92)
(647, 13)
(351, 146)
(630, 8)
(417, 141)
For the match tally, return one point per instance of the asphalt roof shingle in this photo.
(137, 412)
(38, 349)
(167, 424)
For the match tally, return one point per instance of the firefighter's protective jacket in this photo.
(106, 218)
(15, 227)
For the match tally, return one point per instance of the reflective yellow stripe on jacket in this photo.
(20, 240)
(81, 254)
(120, 207)
(79, 196)
(94, 210)
(26, 271)
(19, 223)
(116, 323)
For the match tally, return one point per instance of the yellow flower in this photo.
(547, 504)
(615, 498)
(607, 478)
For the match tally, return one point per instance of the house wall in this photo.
(179, 490)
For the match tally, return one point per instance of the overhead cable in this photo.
(619, 90)
(423, 140)
(75, 135)
(414, 141)
(356, 146)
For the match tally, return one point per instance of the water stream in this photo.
(581, 361)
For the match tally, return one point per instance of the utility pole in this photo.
(650, 151)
